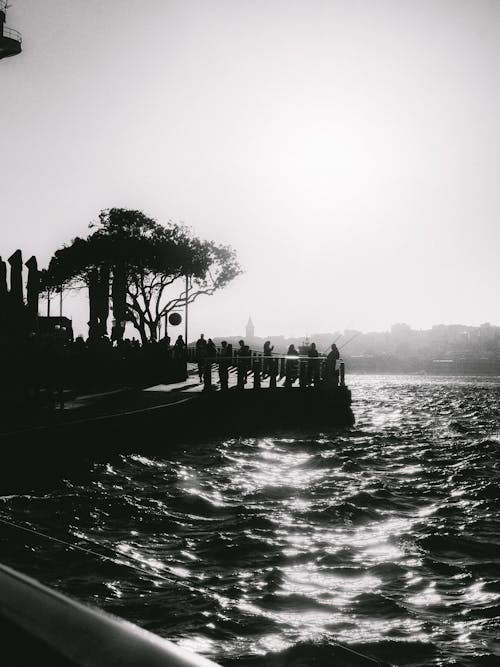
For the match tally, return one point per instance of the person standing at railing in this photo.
(331, 375)
(313, 365)
(225, 355)
(291, 366)
(211, 349)
(201, 354)
(243, 363)
(179, 360)
(267, 361)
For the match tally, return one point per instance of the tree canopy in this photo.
(145, 262)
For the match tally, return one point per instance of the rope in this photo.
(114, 560)
(134, 567)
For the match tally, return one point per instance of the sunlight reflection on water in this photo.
(386, 532)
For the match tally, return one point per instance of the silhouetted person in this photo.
(291, 366)
(243, 363)
(225, 355)
(331, 373)
(201, 354)
(267, 361)
(313, 365)
(179, 347)
(179, 360)
(211, 349)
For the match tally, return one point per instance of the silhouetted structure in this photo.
(16, 277)
(17, 319)
(98, 287)
(55, 326)
(10, 39)
(250, 330)
(119, 296)
(33, 291)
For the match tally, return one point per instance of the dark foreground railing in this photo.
(42, 627)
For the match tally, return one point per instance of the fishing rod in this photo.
(334, 342)
(350, 339)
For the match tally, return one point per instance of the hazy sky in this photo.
(348, 149)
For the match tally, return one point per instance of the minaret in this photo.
(250, 330)
(10, 40)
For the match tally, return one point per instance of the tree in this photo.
(144, 263)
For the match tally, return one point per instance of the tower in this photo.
(10, 40)
(250, 330)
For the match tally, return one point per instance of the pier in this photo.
(265, 396)
(257, 371)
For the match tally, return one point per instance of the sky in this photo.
(347, 149)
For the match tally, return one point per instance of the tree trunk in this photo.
(153, 331)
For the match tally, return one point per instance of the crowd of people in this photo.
(43, 370)
(315, 370)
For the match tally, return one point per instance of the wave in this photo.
(326, 654)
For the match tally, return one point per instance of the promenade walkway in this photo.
(97, 405)
(122, 401)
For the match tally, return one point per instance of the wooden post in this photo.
(342, 374)
(256, 373)
(302, 372)
(273, 373)
(16, 277)
(207, 376)
(32, 292)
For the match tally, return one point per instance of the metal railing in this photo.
(10, 33)
(307, 371)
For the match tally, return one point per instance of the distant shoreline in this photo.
(429, 374)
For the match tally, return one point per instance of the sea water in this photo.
(384, 537)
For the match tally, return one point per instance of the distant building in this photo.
(249, 330)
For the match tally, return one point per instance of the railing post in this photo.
(342, 374)
(256, 373)
(273, 368)
(207, 375)
(241, 371)
(302, 373)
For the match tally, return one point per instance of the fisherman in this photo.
(331, 375)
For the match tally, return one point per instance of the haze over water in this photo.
(347, 149)
(384, 537)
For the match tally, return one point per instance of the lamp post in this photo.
(186, 311)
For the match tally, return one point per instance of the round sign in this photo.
(175, 319)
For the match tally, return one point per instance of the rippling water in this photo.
(384, 537)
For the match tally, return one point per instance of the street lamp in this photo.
(186, 311)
